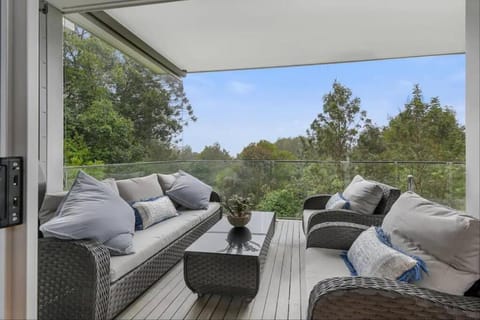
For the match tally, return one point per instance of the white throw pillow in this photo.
(372, 257)
(363, 195)
(155, 211)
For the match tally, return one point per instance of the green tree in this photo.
(284, 202)
(425, 131)
(264, 150)
(214, 152)
(293, 145)
(156, 104)
(334, 132)
(370, 145)
(100, 125)
(153, 108)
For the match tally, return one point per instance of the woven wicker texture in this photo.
(125, 290)
(374, 298)
(225, 274)
(73, 281)
(222, 274)
(318, 201)
(342, 215)
(334, 235)
(390, 195)
(215, 197)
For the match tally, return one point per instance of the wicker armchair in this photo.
(377, 298)
(314, 211)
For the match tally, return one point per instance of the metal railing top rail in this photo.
(272, 160)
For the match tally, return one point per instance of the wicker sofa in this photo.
(335, 294)
(80, 280)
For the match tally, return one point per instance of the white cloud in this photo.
(241, 88)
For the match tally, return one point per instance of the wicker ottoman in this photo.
(229, 261)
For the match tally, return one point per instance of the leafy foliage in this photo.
(334, 132)
(118, 111)
(237, 205)
(214, 152)
(115, 109)
(284, 202)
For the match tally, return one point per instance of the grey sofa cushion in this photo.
(167, 180)
(363, 195)
(138, 189)
(92, 210)
(321, 264)
(190, 192)
(448, 241)
(150, 241)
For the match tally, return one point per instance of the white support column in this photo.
(54, 28)
(21, 139)
(3, 140)
(472, 114)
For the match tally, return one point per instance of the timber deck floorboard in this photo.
(281, 294)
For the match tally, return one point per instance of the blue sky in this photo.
(236, 108)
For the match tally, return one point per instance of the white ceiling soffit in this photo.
(75, 6)
(104, 27)
(212, 35)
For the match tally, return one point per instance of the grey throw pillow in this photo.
(138, 189)
(50, 204)
(53, 200)
(190, 192)
(363, 195)
(92, 210)
(167, 180)
(448, 241)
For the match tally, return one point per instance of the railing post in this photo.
(397, 175)
(65, 178)
(450, 185)
(410, 183)
(346, 171)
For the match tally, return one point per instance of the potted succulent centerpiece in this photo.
(238, 209)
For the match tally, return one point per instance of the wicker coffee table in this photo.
(227, 260)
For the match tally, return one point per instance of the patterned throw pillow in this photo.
(337, 201)
(154, 211)
(371, 255)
